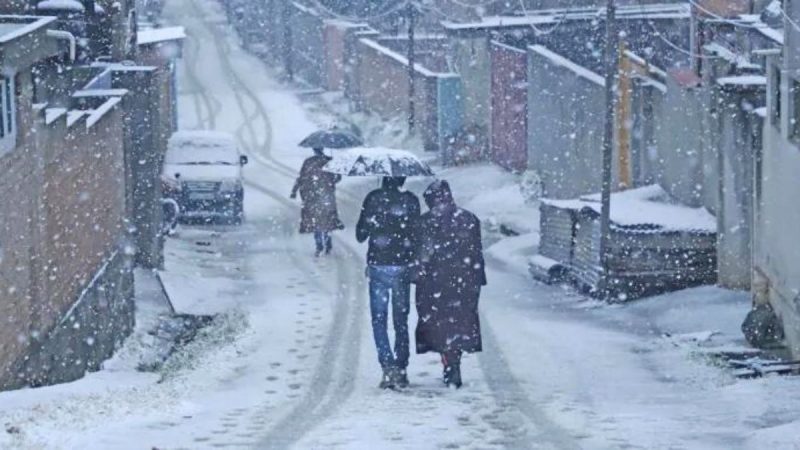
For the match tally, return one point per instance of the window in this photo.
(8, 123)
(775, 113)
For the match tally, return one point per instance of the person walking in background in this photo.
(317, 190)
(387, 220)
(449, 274)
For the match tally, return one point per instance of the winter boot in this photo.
(452, 375)
(400, 378)
(388, 380)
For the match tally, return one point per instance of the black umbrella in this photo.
(333, 138)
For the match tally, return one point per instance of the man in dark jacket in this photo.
(449, 275)
(387, 220)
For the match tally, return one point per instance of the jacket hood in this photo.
(438, 195)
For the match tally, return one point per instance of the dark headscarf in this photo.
(393, 183)
(439, 196)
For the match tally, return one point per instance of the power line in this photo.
(537, 30)
(668, 42)
(789, 19)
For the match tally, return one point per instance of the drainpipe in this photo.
(66, 36)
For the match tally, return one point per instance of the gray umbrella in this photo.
(333, 138)
(381, 162)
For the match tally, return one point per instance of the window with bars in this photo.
(8, 122)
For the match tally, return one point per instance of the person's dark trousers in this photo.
(451, 360)
(323, 241)
(390, 284)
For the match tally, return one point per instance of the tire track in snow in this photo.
(262, 151)
(212, 106)
(334, 378)
(510, 395)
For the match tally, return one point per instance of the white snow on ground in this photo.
(290, 360)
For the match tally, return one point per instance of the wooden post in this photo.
(412, 13)
(611, 72)
(623, 119)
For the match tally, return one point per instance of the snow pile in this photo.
(648, 206)
(60, 5)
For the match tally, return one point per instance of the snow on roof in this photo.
(507, 47)
(646, 206)
(156, 35)
(74, 116)
(403, 60)
(754, 21)
(100, 93)
(569, 65)
(60, 5)
(743, 80)
(643, 62)
(305, 9)
(736, 59)
(102, 110)
(53, 114)
(14, 27)
(123, 67)
(551, 16)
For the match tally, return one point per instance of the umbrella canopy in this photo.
(381, 162)
(333, 138)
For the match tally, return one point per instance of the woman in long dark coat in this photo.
(451, 272)
(318, 193)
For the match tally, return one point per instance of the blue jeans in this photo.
(390, 283)
(323, 240)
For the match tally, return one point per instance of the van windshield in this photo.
(202, 156)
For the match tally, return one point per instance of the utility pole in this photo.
(611, 64)
(412, 19)
(286, 14)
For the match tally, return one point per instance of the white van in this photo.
(203, 174)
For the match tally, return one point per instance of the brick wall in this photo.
(83, 204)
(61, 215)
(383, 89)
(18, 180)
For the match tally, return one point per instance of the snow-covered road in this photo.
(291, 362)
